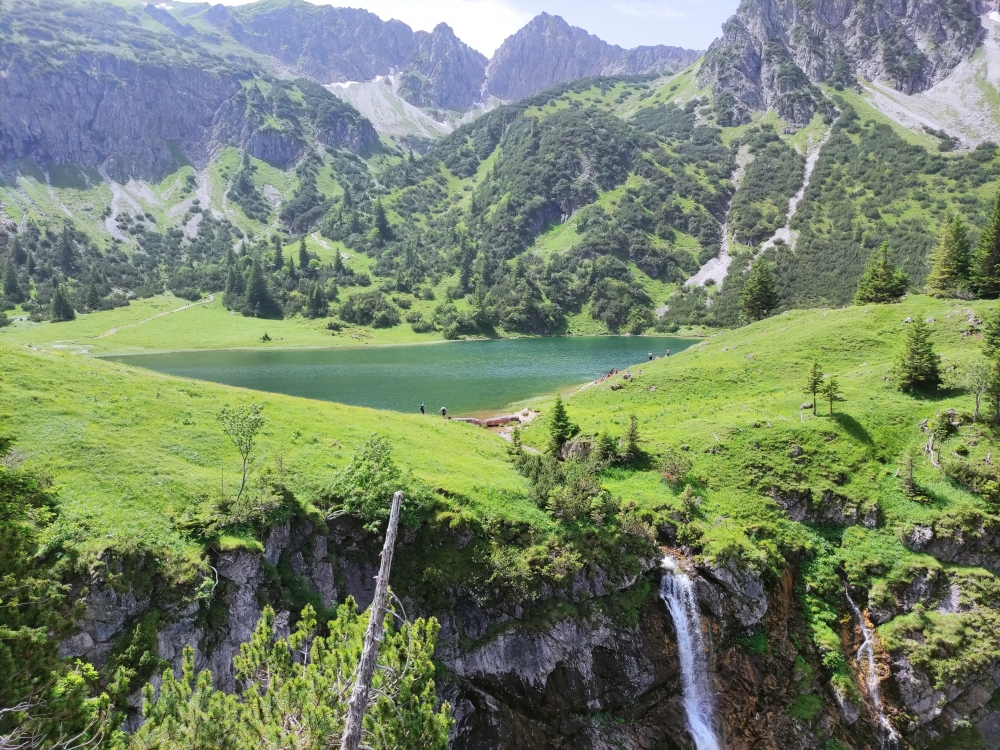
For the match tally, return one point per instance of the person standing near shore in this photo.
(422, 409)
(444, 412)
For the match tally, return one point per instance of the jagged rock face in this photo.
(331, 45)
(772, 51)
(447, 72)
(108, 112)
(548, 51)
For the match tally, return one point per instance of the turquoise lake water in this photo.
(467, 377)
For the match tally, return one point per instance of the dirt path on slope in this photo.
(113, 331)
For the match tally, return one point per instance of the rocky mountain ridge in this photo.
(773, 52)
(340, 45)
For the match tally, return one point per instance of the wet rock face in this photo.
(772, 51)
(548, 51)
(801, 504)
(547, 688)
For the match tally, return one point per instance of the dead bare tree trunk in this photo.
(373, 637)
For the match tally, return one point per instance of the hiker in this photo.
(422, 409)
(444, 412)
(668, 352)
(650, 356)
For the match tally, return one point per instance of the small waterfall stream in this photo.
(677, 592)
(888, 738)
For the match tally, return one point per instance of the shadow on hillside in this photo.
(853, 427)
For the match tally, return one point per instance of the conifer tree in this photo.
(61, 310)
(830, 390)
(950, 260)
(758, 298)
(66, 259)
(382, 221)
(317, 306)
(304, 257)
(279, 257)
(918, 368)
(880, 282)
(814, 378)
(338, 263)
(992, 393)
(560, 428)
(17, 253)
(630, 443)
(258, 300)
(11, 289)
(466, 259)
(986, 260)
(991, 333)
(93, 300)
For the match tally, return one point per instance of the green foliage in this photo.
(814, 379)
(758, 299)
(48, 697)
(918, 367)
(760, 206)
(294, 691)
(880, 282)
(950, 260)
(986, 260)
(560, 427)
(364, 488)
(369, 308)
(830, 390)
(62, 309)
(806, 707)
(244, 193)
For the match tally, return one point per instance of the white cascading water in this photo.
(888, 738)
(677, 592)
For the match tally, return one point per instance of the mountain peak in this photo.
(548, 51)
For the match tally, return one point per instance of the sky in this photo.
(484, 24)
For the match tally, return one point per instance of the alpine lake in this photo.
(469, 378)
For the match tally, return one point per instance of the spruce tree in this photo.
(758, 298)
(258, 300)
(304, 257)
(466, 259)
(316, 306)
(61, 310)
(630, 443)
(17, 253)
(991, 333)
(338, 262)
(66, 256)
(950, 260)
(11, 289)
(918, 368)
(560, 428)
(986, 260)
(880, 282)
(93, 300)
(814, 378)
(279, 257)
(382, 221)
(830, 390)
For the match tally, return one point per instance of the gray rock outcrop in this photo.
(773, 51)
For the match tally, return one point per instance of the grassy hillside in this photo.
(730, 408)
(131, 451)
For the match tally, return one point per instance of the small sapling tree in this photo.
(242, 424)
(560, 428)
(830, 390)
(977, 381)
(631, 451)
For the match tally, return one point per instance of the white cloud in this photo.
(482, 24)
(645, 9)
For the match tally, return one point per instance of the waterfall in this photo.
(888, 738)
(677, 593)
